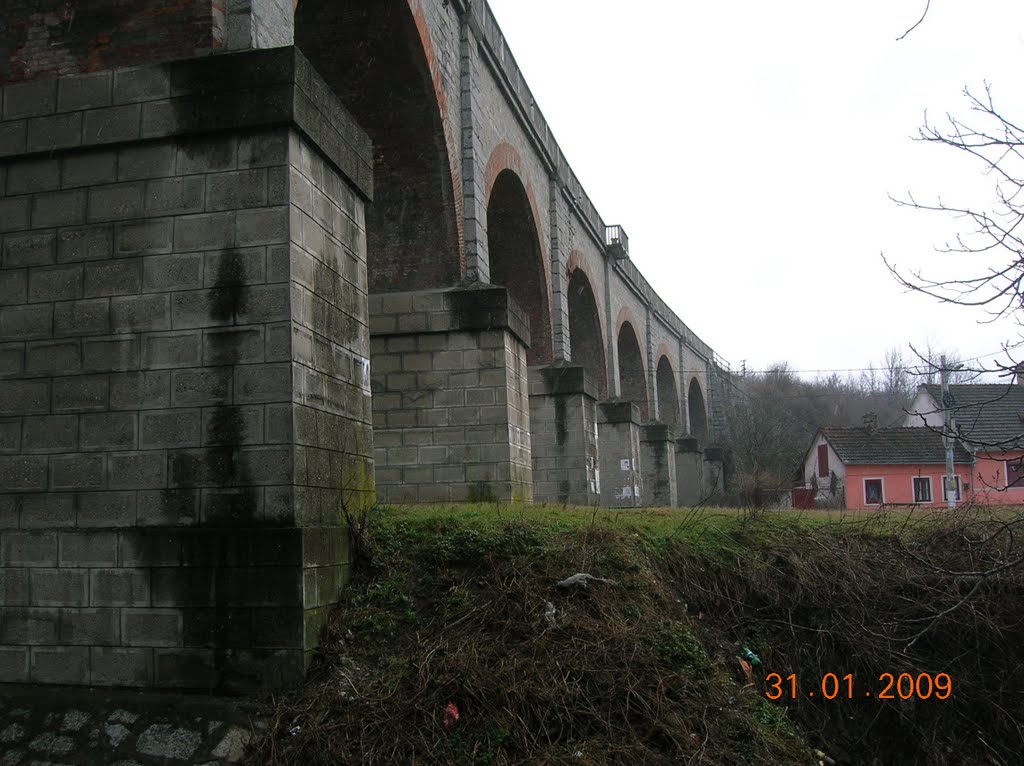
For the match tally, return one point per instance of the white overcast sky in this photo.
(749, 148)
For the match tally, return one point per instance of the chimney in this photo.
(870, 421)
(1018, 374)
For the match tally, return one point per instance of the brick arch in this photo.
(697, 410)
(506, 157)
(632, 377)
(378, 57)
(586, 334)
(668, 391)
(516, 250)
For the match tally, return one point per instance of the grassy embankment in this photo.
(460, 605)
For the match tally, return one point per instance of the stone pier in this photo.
(618, 428)
(563, 419)
(658, 464)
(184, 389)
(689, 471)
(450, 398)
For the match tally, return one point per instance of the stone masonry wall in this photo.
(160, 525)
(450, 397)
(563, 422)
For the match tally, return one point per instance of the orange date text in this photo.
(889, 686)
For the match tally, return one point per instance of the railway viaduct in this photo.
(262, 260)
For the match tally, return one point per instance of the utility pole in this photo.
(947, 433)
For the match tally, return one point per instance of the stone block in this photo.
(85, 243)
(209, 231)
(85, 317)
(152, 236)
(24, 397)
(118, 666)
(140, 390)
(66, 208)
(77, 472)
(237, 189)
(93, 168)
(171, 428)
(262, 226)
(139, 313)
(47, 510)
(90, 627)
(30, 99)
(60, 587)
(80, 393)
(14, 664)
(60, 131)
(263, 383)
(166, 273)
(84, 91)
(172, 350)
(14, 214)
(112, 124)
(108, 431)
(113, 278)
(53, 357)
(29, 626)
(141, 84)
(88, 549)
(39, 174)
(151, 627)
(137, 470)
(150, 160)
(60, 665)
(119, 587)
(145, 548)
(55, 433)
(168, 508)
(175, 196)
(31, 248)
(235, 345)
(106, 509)
(23, 473)
(110, 354)
(14, 587)
(116, 202)
(201, 387)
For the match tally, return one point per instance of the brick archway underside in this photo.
(371, 54)
(698, 414)
(668, 396)
(631, 369)
(516, 260)
(586, 340)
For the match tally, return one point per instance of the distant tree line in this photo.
(774, 415)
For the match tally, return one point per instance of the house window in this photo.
(1015, 472)
(956, 485)
(872, 492)
(822, 460)
(922, 489)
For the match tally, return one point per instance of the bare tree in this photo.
(994, 235)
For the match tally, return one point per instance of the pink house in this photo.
(875, 467)
(989, 420)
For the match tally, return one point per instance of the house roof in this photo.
(891, 446)
(986, 414)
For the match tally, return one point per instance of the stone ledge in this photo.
(246, 90)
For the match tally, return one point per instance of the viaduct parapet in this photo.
(263, 263)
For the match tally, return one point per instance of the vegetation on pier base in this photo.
(450, 605)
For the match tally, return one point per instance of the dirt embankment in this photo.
(645, 669)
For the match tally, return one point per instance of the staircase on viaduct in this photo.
(262, 262)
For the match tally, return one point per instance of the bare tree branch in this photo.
(927, 6)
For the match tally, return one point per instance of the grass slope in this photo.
(449, 605)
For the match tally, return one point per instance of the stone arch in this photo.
(697, 411)
(668, 393)
(377, 57)
(632, 380)
(586, 338)
(517, 258)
